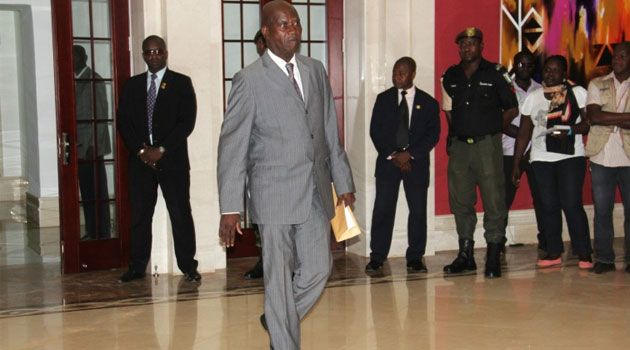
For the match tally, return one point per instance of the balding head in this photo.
(282, 29)
(269, 10)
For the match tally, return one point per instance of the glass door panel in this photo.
(95, 143)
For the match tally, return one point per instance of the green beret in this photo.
(470, 32)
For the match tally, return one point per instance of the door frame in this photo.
(74, 252)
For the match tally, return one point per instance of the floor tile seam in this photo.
(255, 290)
(137, 301)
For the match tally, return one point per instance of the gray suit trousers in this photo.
(297, 264)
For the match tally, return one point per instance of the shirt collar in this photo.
(160, 74)
(81, 72)
(410, 92)
(532, 86)
(281, 62)
(612, 76)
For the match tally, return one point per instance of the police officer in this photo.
(479, 102)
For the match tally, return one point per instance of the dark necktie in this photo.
(151, 95)
(402, 134)
(292, 78)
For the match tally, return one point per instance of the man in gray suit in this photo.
(280, 131)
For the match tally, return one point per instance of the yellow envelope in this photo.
(344, 224)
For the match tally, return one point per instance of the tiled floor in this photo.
(528, 308)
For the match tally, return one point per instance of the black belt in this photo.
(471, 140)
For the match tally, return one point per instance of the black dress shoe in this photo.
(192, 276)
(373, 265)
(263, 322)
(256, 272)
(601, 267)
(416, 265)
(130, 276)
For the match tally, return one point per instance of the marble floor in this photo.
(528, 308)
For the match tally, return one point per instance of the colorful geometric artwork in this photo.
(584, 31)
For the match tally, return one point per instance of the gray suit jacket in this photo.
(280, 144)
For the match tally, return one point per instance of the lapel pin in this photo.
(163, 86)
(417, 106)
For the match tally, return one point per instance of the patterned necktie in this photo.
(402, 134)
(151, 103)
(292, 78)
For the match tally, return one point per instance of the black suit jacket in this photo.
(424, 130)
(174, 117)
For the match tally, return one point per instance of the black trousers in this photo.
(416, 184)
(510, 191)
(175, 187)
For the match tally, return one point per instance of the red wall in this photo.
(451, 17)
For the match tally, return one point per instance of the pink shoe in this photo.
(549, 262)
(586, 262)
(585, 265)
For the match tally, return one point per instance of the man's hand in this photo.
(229, 225)
(347, 198)
(405, 167)
(516, 175)
(150, 155)
(401, 158)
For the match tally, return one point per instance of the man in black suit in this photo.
(404, 129)
(156, 114)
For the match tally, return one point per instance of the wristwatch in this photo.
(162, 149)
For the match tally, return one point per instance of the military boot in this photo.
(465, 260)
(493, 260)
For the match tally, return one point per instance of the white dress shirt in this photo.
(282, 64)
(411, 95)
(158, 80)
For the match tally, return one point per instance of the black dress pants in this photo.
(416, 184)
(175, 187)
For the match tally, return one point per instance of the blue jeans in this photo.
(605, 180)
(560, 185)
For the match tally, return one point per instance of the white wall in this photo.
(39, 94)
(192, 30)
(10, 94)
(377, 33)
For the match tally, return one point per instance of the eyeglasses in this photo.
(525, 65)
(153, 52)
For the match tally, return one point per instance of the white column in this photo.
(192, 30)
(377, 33)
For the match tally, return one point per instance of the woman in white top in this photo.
(554, 119)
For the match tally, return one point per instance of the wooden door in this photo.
(92, 62)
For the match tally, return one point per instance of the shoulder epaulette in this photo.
(503, 72)
(449, 68)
